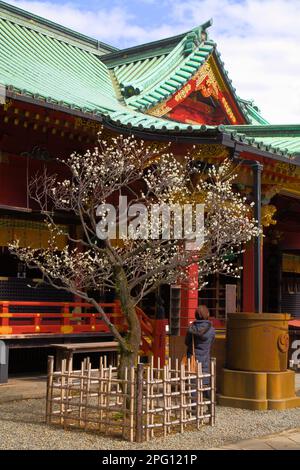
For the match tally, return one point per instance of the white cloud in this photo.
(116, 26)
(259, 41)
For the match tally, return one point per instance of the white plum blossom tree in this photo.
(137, 264)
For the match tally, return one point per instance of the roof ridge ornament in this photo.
(196, 37)
(128, 90)
(192, 41)
(207, 24)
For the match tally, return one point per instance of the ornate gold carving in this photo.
(287, 169)
(205, 152)
(228, 109)
(206, 90)
(159, 110)
(285, 176)
(201, 74)
(215, 70)
(208, 81)
(210, 87)
(86, 124)
(267, 213)
(7, 104)
(181, 94)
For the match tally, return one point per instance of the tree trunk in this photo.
(133, 335)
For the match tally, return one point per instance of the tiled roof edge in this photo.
(124, 119)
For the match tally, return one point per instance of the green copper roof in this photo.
(164, 77)
(252, 112)
(50, 28)
(38, 61)
(36, 64)
(150, 74)
(147, 79)
(280, 139)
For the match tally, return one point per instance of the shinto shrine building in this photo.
(58, 87)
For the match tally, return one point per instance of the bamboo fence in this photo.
(149, 402)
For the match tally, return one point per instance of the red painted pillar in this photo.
(189, 299)
(160, 342)
(249, 278)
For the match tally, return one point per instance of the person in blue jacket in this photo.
(203, 334)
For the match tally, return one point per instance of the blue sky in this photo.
(145, 13)
(259, 39)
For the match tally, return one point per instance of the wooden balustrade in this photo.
(71, 317)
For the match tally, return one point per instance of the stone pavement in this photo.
(287, 440)
(22, 388)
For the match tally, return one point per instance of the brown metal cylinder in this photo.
(257, 342)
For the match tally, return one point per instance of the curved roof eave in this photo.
(153, 128)
(146, 81)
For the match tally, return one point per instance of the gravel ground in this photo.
(22, 427)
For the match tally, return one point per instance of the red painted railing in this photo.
(71, 318)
